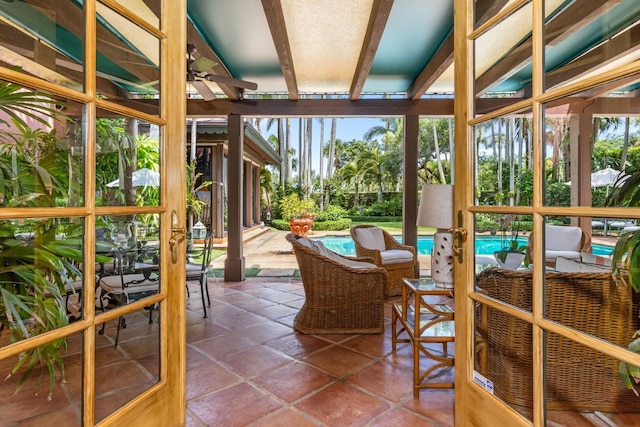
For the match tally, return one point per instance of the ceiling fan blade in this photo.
(231, 81)
(203, 89)
(202, 64)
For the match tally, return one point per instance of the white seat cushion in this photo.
(194, 269)
(371, 238)
(396, 256)
(551, 256)
(322, 250)
(562, 238)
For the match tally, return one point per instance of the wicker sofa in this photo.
(397, 259)
(577, 378)
(343, 295)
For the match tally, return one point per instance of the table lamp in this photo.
(436, 210)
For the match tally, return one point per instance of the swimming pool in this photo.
(485, 245)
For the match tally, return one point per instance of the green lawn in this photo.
(395, 226)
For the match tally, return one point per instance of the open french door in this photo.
(520, 339)
(93, 211)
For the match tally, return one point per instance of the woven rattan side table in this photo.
(425, 315)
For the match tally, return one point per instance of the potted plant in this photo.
(299, 212)
(512, 254)
(626, 259)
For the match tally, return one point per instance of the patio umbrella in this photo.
(141, 178)
(606, 178)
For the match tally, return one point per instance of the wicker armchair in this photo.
(577, 377)
(396, 270)
(343, 295)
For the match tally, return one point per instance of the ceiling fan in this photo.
(197, 75)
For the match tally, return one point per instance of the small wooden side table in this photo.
(426, 315)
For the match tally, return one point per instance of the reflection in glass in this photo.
(586, 39)
(35, 403)
(127, 260)
(503, 56)
(503, 348)
(49, 44)
(503, 161)
(591, 152)
(130, 367)
(127, 60)
(502, 240)
(41, 150)
(149, 10)
(581, 378)
(127, 161)
(41, 276)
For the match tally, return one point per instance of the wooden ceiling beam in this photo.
(203, 48)
(614, 49)
(335, 107)
(275, 19)
(443, 58)
(574, 17)
(377, 21)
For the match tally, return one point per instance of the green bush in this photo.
(362, 218)
(391, 207)
(336, 225)
(280, 224)
(333, 213)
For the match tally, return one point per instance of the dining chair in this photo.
(125, 286)
(197, 272)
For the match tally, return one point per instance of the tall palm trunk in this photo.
(321, 163)
(282, 145)
(287, 140)
(443, 179)
(625, 144)
(300, 152)
(308, 155)
(331, 161)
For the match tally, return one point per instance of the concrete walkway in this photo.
(269, 251)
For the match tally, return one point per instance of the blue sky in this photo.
(347, 129)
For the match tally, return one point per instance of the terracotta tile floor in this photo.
(246, 366)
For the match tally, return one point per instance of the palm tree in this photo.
(352, 172)
(331, 161)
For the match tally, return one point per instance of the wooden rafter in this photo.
(377, 21)
(443, 58)
(562, 26)
(614, 49)
(205, 50)
(275, 19)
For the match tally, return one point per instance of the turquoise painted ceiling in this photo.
(336, 48)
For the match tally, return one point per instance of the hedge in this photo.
(340, 224)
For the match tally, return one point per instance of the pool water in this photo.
(485, 245)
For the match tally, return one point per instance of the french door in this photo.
(523, 345)
(91, 195)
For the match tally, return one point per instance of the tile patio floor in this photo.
(247, 367)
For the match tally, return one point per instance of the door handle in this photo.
(460, 234)
(177, 235)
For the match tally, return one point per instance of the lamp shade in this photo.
(436, 206)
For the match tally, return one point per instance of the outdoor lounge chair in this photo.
(562, 241)
(343, 295)
(397, 259)
(578, 378)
